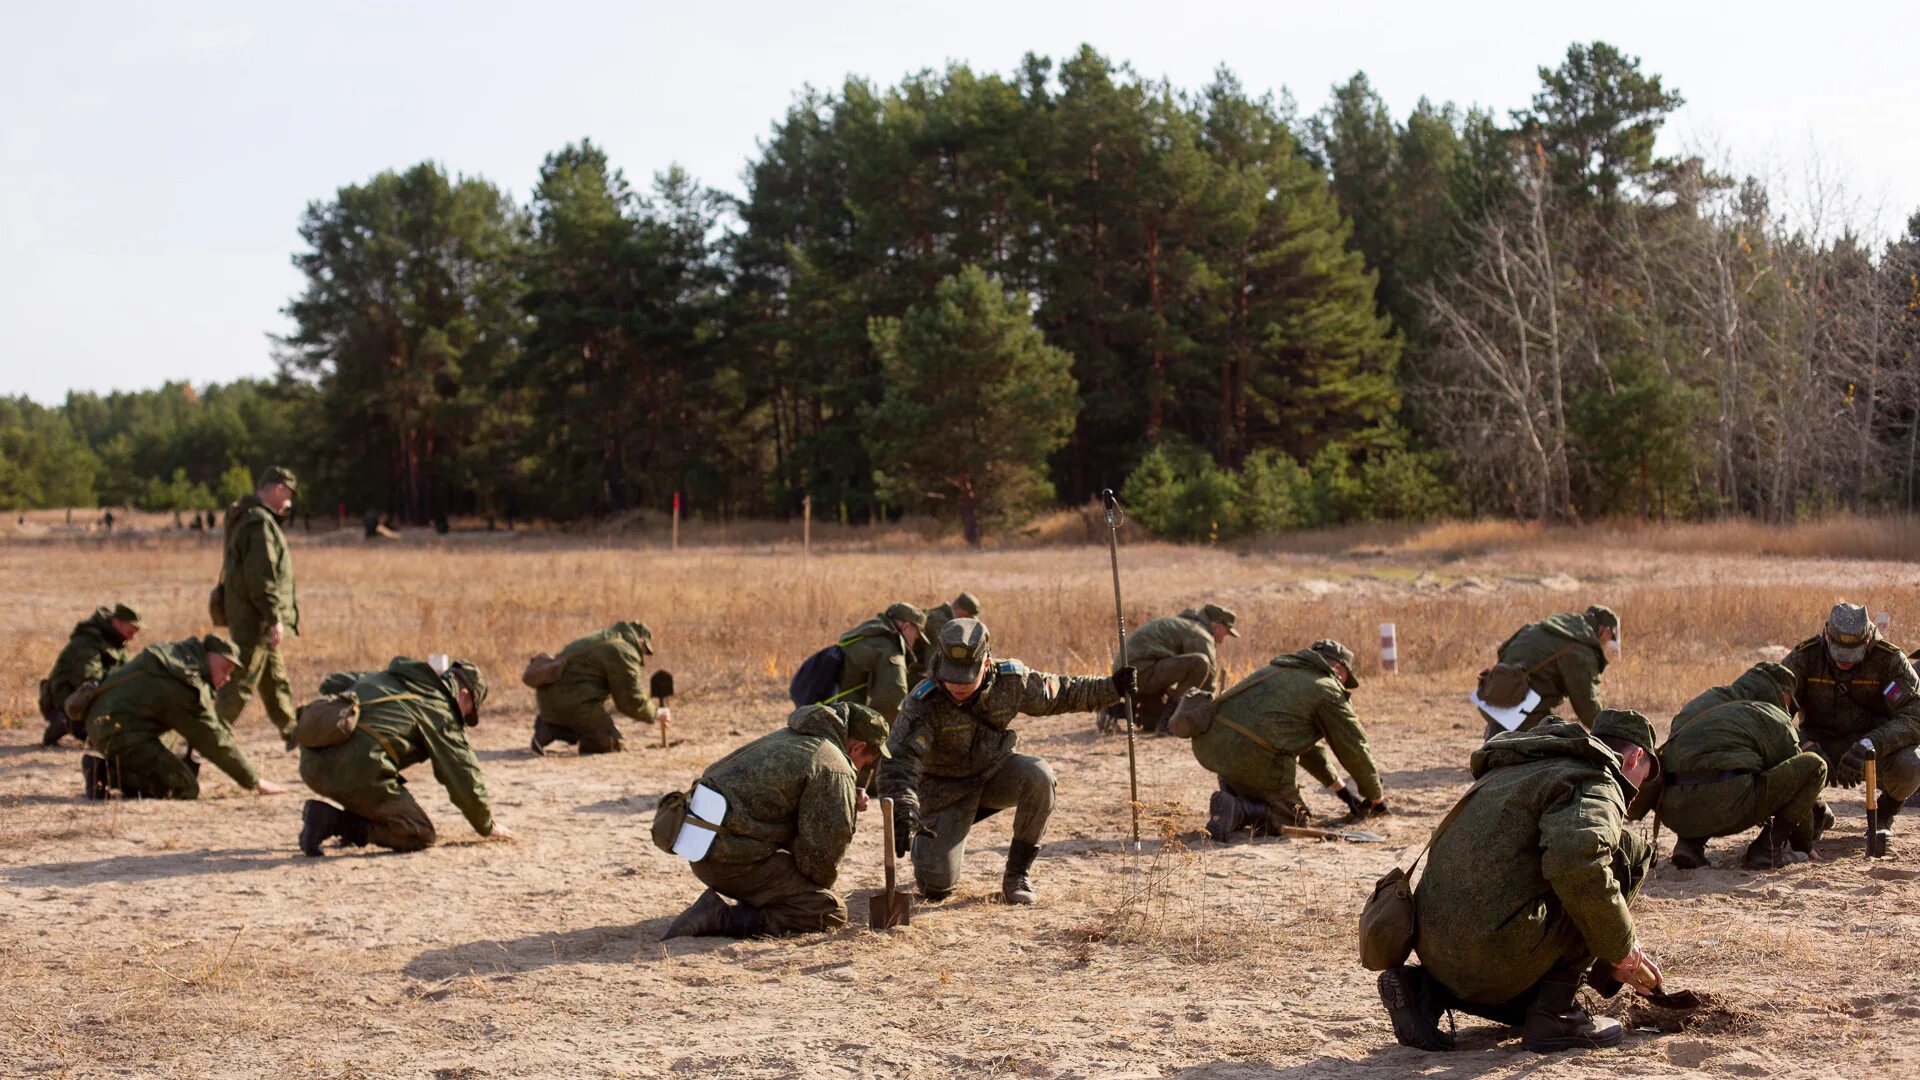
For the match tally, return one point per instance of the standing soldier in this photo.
(1564, 656)
(1173, 655)
(877, 652)
(1856, 692)
(791, 796)
(167, 687)
(97, 645)
(573, 705)
(1733, 762)
(407, 714)
(964, 606)
(1528, 884)
(951, 761)
(256, 581)
(1277, 717)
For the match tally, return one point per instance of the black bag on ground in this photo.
(819, 676)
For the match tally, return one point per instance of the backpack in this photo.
(543, 670)
(819, 676)
(1194, 714)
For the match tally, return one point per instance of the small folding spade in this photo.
(893, 905)
(660, 688)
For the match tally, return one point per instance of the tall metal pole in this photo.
(1120, 622)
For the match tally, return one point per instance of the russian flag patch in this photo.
(1894, 693)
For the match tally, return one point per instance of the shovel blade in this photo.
(1678, 999)
(886, 910)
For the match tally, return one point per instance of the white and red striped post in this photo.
(1389, 649)
(1883, 619)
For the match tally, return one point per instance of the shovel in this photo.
(660, 688)
(1679, 1000)
(1876, 839)
(1352, 836)
(893, 905)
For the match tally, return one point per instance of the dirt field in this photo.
(155, 939)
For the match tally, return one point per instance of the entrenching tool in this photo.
(660, 688)
(893, 905)
(1876, 838)
(1120, 621)
(1352, 836)
(1661, 996)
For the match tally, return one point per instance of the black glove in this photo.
(1355, 804)
(1375, 808)
(1125, 679)
(1851, 769)
(906, 822)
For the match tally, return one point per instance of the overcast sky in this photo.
(155, 157)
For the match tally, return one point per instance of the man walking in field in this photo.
(1173, 655)
(256, 581)
(877, 655)
(571, 690)
(964, 606)
(951, 760)
(97, 645)
(1563, 657)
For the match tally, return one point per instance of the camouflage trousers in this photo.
(143, 767)
(261, 668)
(1160, 684)
(365, 782)
(591, 728)
(1789, 790)
(1898, 772)
(791, 901)
(1023, 782)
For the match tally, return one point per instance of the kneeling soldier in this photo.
(168, 687)
(952, 762)
(1733, 762)
(1277, 717)
(791, 798)
(407, 714)
(573, 707)
(1173, 655)
(97, 645)
(1564, 656)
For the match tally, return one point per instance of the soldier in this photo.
(1856, 693)
(791, 797)
(878, 652)
(951, 761)
(1527, 884)
(1564, 656)
(964, 606)
(97, 645)
(256, 577)
(1276, 717)
(573, 708)
(1173, 655)
(167, 687)
(1733, 762)
(407, 714)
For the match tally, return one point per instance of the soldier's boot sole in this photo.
(319, 823)
(705, 917)
(1689, 854)
(1416, 1022)
(93, 775)
(1223, 816)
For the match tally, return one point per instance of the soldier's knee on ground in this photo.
(402, 834)
(590, 744)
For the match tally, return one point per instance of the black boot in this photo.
(1408, 995)
(57, 729)
(1554, 1022)
(1804, 836)
(543, 735)
(319, 823)
(93, 774)
(1889, 807)
(1228, 813)
(1770, 849)
(746, 922)
(1015, 888)
(1690, 853)
(708, 916)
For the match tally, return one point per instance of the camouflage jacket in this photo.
(257, 570)
(1292, 708)
(601, 665)
(942, 749)
(790, 789)
(1537, 870)
(167, 687)
(421, 723)
(875, 671)
(1570, 660)
(938, 616)
(1734, 736)
(1876, 699)
(1175, 635)
(1750, 686)
(93, 650)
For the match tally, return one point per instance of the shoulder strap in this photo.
(1251, 737)
(1444, 822)
(392, 697)
(1249, 683)
(1537, 667)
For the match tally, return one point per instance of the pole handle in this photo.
(886, 842)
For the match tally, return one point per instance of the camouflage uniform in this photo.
(1566, 650)
(874, 673)
(408, 715)
(166, 688)
(257, 572)
(1876, 699)
(606, 664)
(1736, 764)
(94, 649)
(952, 764)
(938, 616)
(1293, 704)
(1174, 655)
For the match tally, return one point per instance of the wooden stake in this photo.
(676, 529)
(806, 525)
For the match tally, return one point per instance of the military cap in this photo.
(1224, 616)
(1601, 615)
(1333, 650)
(960, 652)
(218, 645)
(280, 474)
(125, 613)
(467, 674)
(1849, 631)
(1781, 675)
(905, 612)
(969, 603)
(864, 724)
(1628, 726)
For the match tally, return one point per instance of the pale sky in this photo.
(155, 158)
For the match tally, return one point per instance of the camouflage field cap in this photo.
(864, 724)
(218, 645)
(968, 603)
(1849, 631)
(905, 612)
(467, 674)
(645, 634)
(1224, 616)
(1780, 675)
(1333, 650)
(960, 652)
(125, 613)
(1628, 726)
(1601, 615)
(280, 474)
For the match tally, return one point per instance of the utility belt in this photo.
(1701, 779)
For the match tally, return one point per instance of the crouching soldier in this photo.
(1564, 656)
(1733, 762)
(951, 761)
(790, 799)
(1173, 655)
(167, 687)
(577, 684)
(405, 715)
(97, 645)
(878, 653)
(1277, 717)
(1527, 883)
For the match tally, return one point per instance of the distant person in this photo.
(1173, 655)
(1563, 657)
(571, 691)
(107, 518)
(256, 578)
(964, 606)
(97, 645)
(199, 521)
(370, 523)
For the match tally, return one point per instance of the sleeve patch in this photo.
(924, 690)
(1012, 667)
(1894, 693)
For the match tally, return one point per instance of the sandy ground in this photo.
(191, 939)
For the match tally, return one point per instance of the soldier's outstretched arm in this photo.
(213, 740)
(629, 693)
(825, 826)
(1046, 694)
(1578, 835)
(1348, 741)
(908, 746)
(459, 772)
(1581, 674)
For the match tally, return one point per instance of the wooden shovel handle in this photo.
(886, 841)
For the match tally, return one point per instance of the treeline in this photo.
(977, 294)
